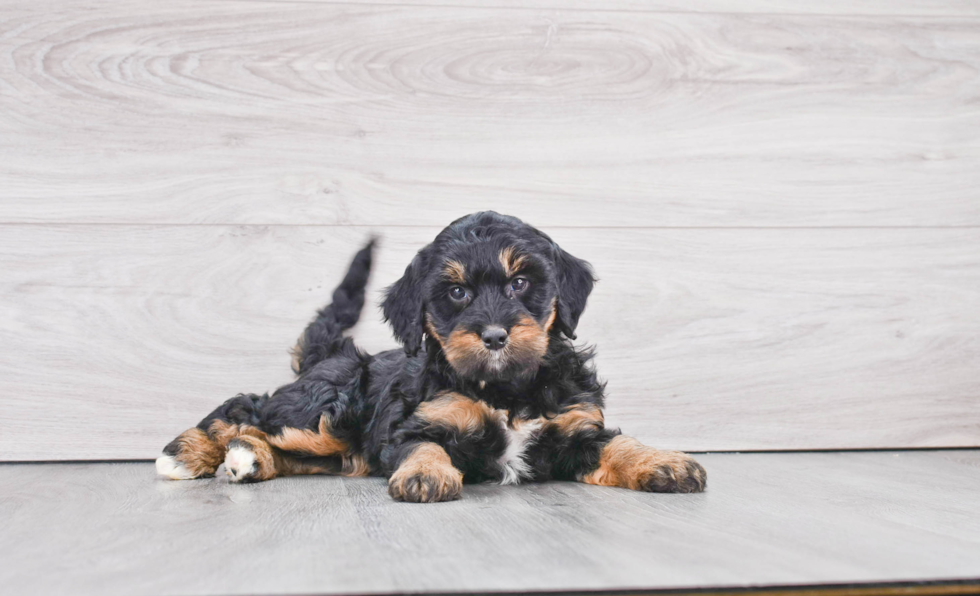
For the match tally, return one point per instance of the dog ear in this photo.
(575, 282)
(402, 305)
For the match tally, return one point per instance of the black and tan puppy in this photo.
(488, 387)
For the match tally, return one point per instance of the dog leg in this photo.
(425, 475)
(575, 445)
(447, 438)
(250, 459)
(193, 454)
(198, 452)
(627, 463)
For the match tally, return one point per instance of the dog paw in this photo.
(426, 476)
(426, 488)
(241, 464)
(675, 473)
(191, 455)
(169, 467)
(627, 463)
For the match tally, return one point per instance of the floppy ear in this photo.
(575, 281)
(402, 305)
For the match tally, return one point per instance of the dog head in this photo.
(490, 290)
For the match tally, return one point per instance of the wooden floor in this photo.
(767, 519)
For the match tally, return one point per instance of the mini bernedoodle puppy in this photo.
(488, 386)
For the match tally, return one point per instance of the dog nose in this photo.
(494, 337)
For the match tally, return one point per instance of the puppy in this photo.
(488, 386)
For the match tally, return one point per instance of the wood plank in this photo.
(771, 7)
(113, 339)
(766, 519)
(300, 113)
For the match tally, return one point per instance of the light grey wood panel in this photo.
(115, 338)
(255, 112)
(822, 7)
(766, 519)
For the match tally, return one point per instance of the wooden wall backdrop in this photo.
(782, 200)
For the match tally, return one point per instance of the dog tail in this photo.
(324, 336)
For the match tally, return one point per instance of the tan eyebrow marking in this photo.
(454, 271)
(511, 261)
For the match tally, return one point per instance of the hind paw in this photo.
(169, 467)
(241, 465)
(249, 459)
(193, 454)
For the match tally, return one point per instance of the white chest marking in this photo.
(511, 464)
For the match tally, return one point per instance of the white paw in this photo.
(172, 469)
(239, 463)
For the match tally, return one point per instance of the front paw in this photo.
(675, 472)
(627, 463)
(425, 488)
(426, 476)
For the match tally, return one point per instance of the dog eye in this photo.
(519, 285)
(457, 293)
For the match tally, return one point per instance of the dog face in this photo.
(490, 290)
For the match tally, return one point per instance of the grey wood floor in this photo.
(767, 519)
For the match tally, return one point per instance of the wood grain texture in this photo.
(285, 112)
(766, 519)
(822, 7)
(113, 339)
(162, 164)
